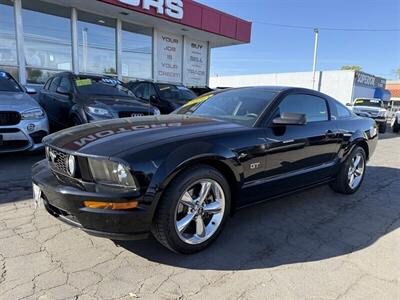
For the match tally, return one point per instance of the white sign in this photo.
(169, 57)
(170, 8)
(196, 63)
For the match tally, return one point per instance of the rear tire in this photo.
(348, 172)
(175, 207)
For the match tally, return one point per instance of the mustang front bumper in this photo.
(66, 202)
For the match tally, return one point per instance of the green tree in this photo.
(397, 73)
(351, 68)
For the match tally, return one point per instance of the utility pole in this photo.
(316, 31)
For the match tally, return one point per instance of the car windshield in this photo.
(102, 86)
(242, 106)
(8, 84)
(369, 102)
(175, 93)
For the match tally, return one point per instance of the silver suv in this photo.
(23, 123)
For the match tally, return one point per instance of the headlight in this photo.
(157, 112)
(97, 111)
(111, 173)
(33, 114)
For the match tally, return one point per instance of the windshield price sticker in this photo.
(198, 100)
(83, 82)
(359, 101)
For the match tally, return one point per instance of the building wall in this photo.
(299, 79)
(338, 84)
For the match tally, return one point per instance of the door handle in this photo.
(331, 134)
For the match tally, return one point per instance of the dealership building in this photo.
(345, 86)
(162, 40)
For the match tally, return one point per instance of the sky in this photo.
(278, 49)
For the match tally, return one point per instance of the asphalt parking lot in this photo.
(312, 245)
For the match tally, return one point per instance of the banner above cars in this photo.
(180, 60)
(195, 63)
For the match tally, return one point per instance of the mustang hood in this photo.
(108, 138)
(20, 102)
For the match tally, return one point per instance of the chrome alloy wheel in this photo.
(356, 171)
(200, 211)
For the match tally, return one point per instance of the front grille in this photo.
(130, 114)
(8, 118)
(57, 160)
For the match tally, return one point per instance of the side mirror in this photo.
(30, 91)
(154, 99)
(63, 91)
(348, 104)
(290, 119)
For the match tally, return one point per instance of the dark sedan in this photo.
(180, 176)
(71, 100)
(166, 97)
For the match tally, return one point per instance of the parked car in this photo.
(180, 176)
(396, 122)
(201, 90)
(373, 108)
(71, 100)
(166, 97)
(23, 123)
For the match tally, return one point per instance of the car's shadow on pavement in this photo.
(309, 226)
(15, 175)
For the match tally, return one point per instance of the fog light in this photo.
(111, 205)
(71, 165)
(31, 127)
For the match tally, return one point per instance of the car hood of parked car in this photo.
(115, 103)
(10, 101)
(108, 138)
(368, 109)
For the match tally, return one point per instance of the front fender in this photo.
(79, 112)
(187, 155)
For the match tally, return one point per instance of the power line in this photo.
(328, 28)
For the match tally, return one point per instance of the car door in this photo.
(299, 155)
(63, 102)
(49, 99)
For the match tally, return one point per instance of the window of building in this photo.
(47, 47)
(8, 48)
(315, 108)
(136, 52)
(96, 37)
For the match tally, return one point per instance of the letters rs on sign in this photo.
(170, 8)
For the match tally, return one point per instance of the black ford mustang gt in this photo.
(179, 176)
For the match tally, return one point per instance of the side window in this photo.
(65, 83)
(47, 85)
(342, 111)
(315, 108)
(54, 84)
(152, 90)
(142, 91)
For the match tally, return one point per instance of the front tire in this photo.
(193, 210)
(382, 128)
(351, 174)
(396, 126)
